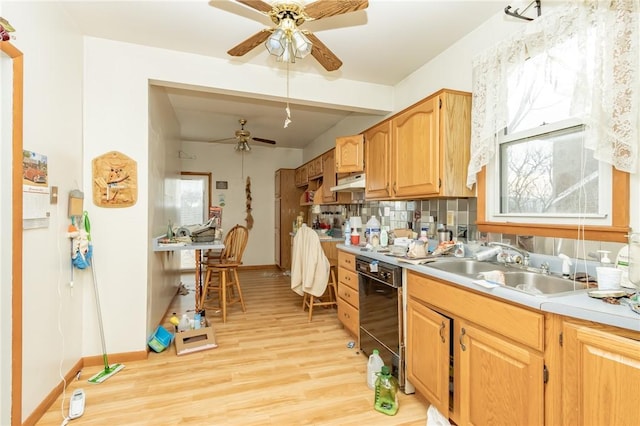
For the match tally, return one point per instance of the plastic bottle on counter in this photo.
(184, 324)
(386, 398)
(384, 237)
(347, 233)
(374, 365)
(373, 231)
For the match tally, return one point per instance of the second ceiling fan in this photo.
(286, 39)
(242, 138)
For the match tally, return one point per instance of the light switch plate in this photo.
(53, 195)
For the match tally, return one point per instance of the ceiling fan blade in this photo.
(264, 140)
(250, 43)
(322, 53)
(258, 5)
(324, 8)
(208, 140)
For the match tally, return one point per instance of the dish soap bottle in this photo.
(386, 399)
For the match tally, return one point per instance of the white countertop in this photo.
(576, 304)
(213, 245)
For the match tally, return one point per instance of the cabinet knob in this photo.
(442, 331)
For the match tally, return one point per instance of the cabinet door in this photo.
(428, 354)
(415, 151)
(500, 383)
(349, 154)
(302, 176)
(328, 177)
(277, 233)
(377, 161)
(601, 377)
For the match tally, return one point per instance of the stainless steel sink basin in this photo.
(540, 284)
(465, 266)
(530, 282)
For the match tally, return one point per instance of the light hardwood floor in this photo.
(271, 367)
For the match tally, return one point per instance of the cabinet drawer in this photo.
(347, 260)
(348, 278)
(349, 295)
(519, 324)
(348, 316)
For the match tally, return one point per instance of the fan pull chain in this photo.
(287, 120)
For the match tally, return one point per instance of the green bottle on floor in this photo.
(386, 397)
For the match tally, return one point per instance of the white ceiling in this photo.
(404, 33)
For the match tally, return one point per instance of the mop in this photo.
(109, 370)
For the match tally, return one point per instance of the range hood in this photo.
(350, 184)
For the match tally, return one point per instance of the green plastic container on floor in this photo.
(386, 397)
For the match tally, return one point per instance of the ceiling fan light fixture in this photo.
(287, 42)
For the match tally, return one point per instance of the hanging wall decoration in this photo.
(249, 218)
(115, 180)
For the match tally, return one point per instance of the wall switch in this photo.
(53, 195)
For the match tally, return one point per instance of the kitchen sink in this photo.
(540, 284)
(465, 266)
(529, 281)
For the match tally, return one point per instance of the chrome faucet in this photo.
(524, 255)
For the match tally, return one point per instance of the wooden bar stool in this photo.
(227, 283)
(329, 297)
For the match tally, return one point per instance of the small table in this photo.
(198, 247)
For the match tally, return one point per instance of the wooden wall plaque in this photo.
(115, 180)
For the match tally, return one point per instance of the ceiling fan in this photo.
(286, 40)
(242, 138)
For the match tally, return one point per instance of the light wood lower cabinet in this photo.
(601, 375)
(500, 383)
(348, 302)
(429, 332)
(497, 370)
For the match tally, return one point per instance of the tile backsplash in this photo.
(459, 215)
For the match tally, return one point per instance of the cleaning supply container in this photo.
(160, 339)
(373, 368)
(373, 231)
(386, 399)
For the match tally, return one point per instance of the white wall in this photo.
(260, 165)
(52, 312)
(164, 174)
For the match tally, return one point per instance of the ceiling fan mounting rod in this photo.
(291, 11)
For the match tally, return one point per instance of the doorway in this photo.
(195, 200)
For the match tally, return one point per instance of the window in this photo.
(554, 108)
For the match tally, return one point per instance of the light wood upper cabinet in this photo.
(421, 152)
(349, 154)
(329, 177)
(302, 175)
(415, 151)
(315, 167)
(601, 375)
(378, 161)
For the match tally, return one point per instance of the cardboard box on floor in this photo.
(195, 340)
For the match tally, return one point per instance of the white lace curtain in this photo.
(606, 93)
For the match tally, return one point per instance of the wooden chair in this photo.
(227, 282)
(329, 298)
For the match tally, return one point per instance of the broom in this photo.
(109, 370)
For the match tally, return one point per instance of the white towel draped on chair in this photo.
(309, 265)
